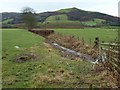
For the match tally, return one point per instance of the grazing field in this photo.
(43, 67)
(89, 34)
(56, 18)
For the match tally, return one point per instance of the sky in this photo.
(104, 6)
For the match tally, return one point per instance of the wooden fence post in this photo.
(90, 41)
(83, 41)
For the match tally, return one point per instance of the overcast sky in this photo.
(104, 6)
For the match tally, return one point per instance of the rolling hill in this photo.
(66, 16)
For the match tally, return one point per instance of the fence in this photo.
(112, 62)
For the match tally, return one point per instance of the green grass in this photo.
(62, 20)
(45, 71)
(7, 21)
(66, 10)
(60, 24)
(99, 20)
(89, 23)
(62, 17)
(89, 34)
(94, 22)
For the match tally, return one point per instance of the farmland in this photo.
(106, 35)
(48, 69)
(65, 48)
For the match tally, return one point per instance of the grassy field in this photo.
(94, 22)
(49, 69)
(89, 34)
(62, 17)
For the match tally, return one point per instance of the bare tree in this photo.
(28, 17)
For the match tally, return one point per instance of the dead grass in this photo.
(40, 80)
(106, 78)
(10, 80)
(73, 44)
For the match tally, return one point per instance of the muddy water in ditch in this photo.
(71, 54)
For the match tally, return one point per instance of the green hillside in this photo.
(86, 18)
(62, 19)
(7, 21)
(55, 18)
(94, 22)
(67, 10)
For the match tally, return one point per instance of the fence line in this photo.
(113, 62)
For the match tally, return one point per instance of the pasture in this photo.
(89, 34)
(48, 69)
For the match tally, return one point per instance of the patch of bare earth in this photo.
(25, 57)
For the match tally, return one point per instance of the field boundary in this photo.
(112, 62)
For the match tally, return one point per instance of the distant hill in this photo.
(68, 16)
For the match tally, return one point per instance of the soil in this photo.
(25, 57)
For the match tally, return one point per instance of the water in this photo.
(76, 54)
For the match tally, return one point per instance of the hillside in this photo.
(69, 16)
